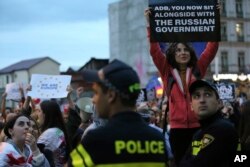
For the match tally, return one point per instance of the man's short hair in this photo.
(201, 83)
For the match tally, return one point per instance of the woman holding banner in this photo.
(179, 67)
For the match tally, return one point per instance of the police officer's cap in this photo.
(116, 75)
(201, 83)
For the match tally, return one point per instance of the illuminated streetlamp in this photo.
(216, 77)
(248, 76)
(242, 77)
(160, 80)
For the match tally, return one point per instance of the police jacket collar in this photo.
(127, 116)
(206, 122)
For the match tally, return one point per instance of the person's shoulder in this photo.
(8, 148)
(223, 127)
(154, 129)
(149, 132)
(5, 146)
(52, 131)
(224, 124)
(51, 134)
(110, 131)
(95, 138)
(97, 132)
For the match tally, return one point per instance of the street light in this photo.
(248, 76)
(218, 77)
(242, 77)
(160, 80)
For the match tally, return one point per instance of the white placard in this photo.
(49, 86)
(226, 91)
(13, 92)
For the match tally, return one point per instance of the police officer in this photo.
(215, 144)
(126, 139)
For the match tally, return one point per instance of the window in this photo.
(240, 32)
(223, 31)
(241, 62)
(239, 11)
(224, 62)
(223, 11)
(7, 79)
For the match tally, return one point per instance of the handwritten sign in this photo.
(184, 21)
(49, 86)
(226, 91)
(142, 96)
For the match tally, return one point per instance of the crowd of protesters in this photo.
(46, 134)
(189, 126)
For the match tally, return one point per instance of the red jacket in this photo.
(181, 115)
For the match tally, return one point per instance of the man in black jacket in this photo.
(126, 140)
(215, 144)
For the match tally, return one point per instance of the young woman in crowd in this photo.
(20, 149)
(53, 141)
(179, 67)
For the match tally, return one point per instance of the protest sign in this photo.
(49, 86)
(142, 97)
(146, 95)
(226, 91)
(13, 91)
(184, 21)
(151, 94)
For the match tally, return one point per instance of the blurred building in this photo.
(77, 79)
(22, 71)
(127, 34)
(128, 40)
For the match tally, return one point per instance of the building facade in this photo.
(77, 78)
(128, 40)
(22, 71)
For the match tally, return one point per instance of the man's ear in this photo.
(10, 131)
(111, 96)
(220, 104)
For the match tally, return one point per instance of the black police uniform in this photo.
(214, 145)
(125, 141)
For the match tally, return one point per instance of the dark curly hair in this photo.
(10, 124)
(170, 53)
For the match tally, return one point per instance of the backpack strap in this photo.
(170, 84)
(196, 72)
